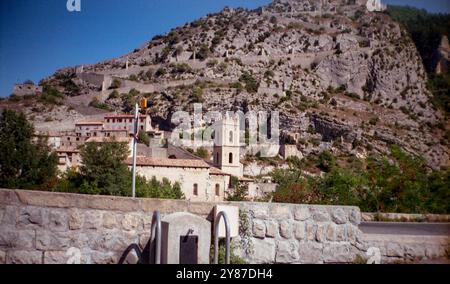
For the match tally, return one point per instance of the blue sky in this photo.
(37, 37)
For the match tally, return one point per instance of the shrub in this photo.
(114, 95)
(97, 104)
(251, 84)
(116, 83)
(160, 72)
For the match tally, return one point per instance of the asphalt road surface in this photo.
(416, 229)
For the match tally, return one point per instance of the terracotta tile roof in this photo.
(108, 139)
(217, 172)
(123, 116)
(170, 163)
(89, 123)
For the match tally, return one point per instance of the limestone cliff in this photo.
(330, 65)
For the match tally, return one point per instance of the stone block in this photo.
(320, 214)
(338, 253)
(92, 219)
(110, 221)
(11, 237)
(197, 208)
(31, 217)
(302, 214)
(287, 252)
(115, 241)
(264, 251)
(271, 229)
(353, 233)
(355, 216)
(75, 219)
(321, 233)
(56, 257)
(286, 229)
(331, 232)
(8, 196)
(300, 231)
(311, 229)
(10, 215)
(46, 240)
(280, 212)
(434, 251)
(310, 253)
(394, 250)
(259, 229)
(259, 212)
(339, 216)
(132, 222)
(84, 240)
(414, 251)
(58, 220)
(24, 257)
(97, 257)
(341, 235)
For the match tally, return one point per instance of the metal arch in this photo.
(156, 236)
(216, 237)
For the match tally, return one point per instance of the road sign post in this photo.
(135, 140)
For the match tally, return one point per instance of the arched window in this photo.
(217, 189)
(195, 189)
(230, 158)
(231, 137)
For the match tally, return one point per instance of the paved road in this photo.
(417, 229)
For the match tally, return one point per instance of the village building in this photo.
(126, 122)
(198, 180)
(22, 90)
(68, 157)
(88, 128)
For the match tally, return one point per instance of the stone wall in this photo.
(286, 233)
(409, 249)
(40, 227)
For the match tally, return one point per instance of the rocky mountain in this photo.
(342, 77)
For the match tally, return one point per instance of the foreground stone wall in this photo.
(41, 227)
(286, 233)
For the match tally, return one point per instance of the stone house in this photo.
(126, 122)
(88, 129)
(27, 90)
(199, 181)
(68, 157)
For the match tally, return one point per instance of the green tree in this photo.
(104, 169)
(143, 138)
(239, 193)
(25, 161)
(157, 189)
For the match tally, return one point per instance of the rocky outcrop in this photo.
(331, 60)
